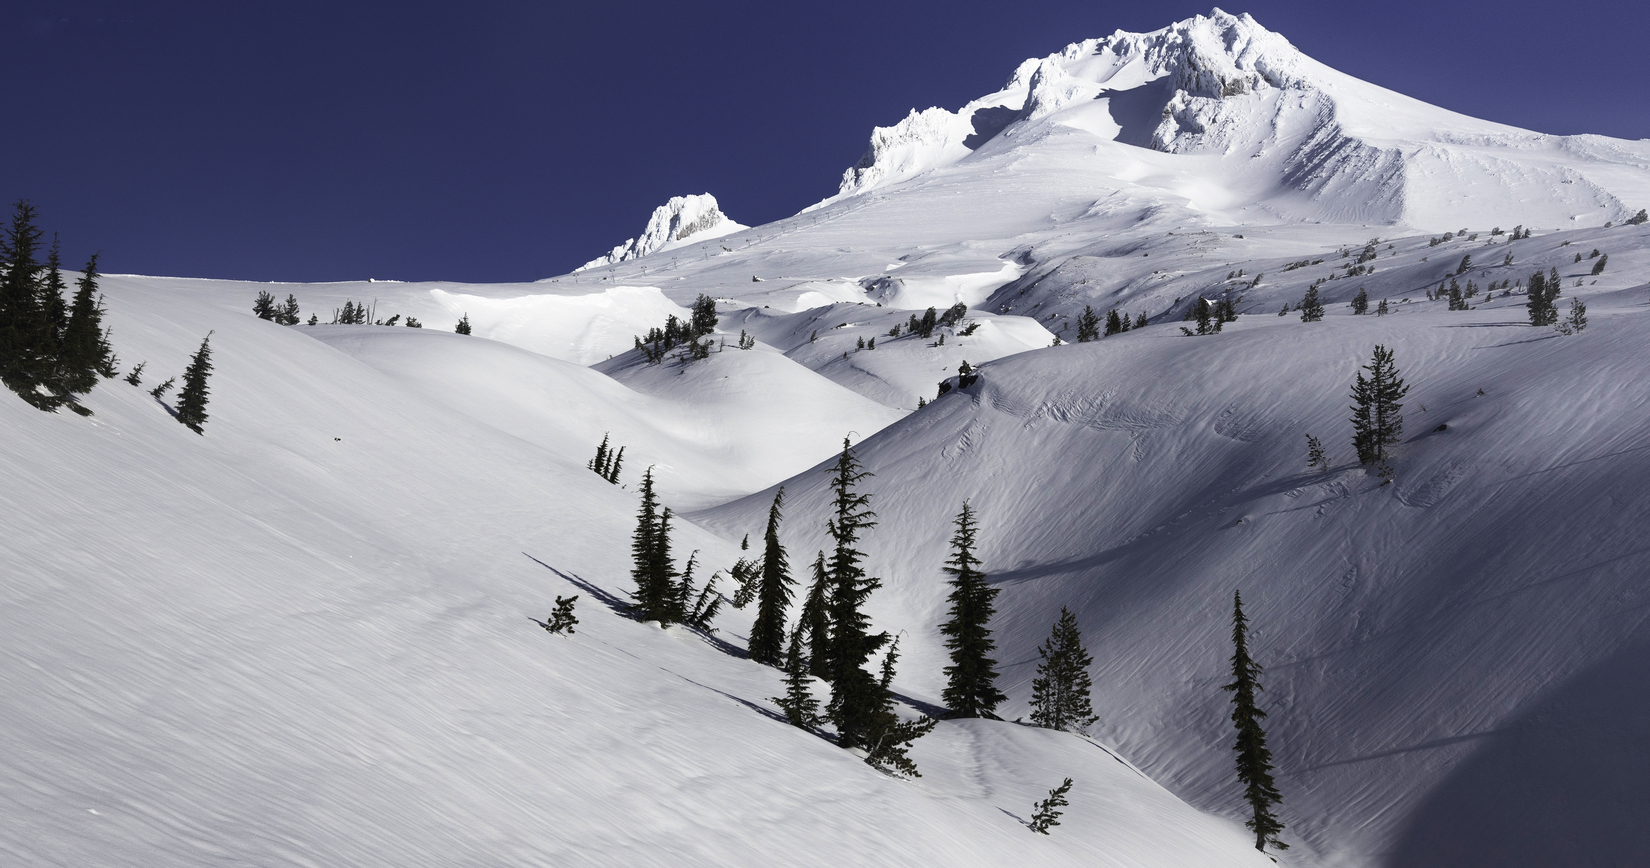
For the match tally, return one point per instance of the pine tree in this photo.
(1140, 321)
(82, 345)
(1577, 320)
(655, 592)
(1047, 813)
(1456, 302)
(1254, 760)
(1060, 692)
(1639, 218)
(1311, 308)
(562, 619)
(773, 592)
(1540, 303)
(1360, 302)
(26, 355)
(463, 326)
(703, 319)
(1316, 458)
(1088, 325)
(1381, 309)
(816, 620)
(1377, 418)
(287, 313)
(136, 376)
(191, 409)
(612, 474)
(1598, 267)
(856, 699)
(1200, 310)
(598, 464)
(971, 679)
(1114, 323)
(264, 305)
(798, 703)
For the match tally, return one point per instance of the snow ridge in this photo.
(678, 221)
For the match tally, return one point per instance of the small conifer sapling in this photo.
(1047, 812)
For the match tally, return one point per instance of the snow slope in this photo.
(271, 646)
(303, 639)
(1418, 636)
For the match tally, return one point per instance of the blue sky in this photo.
(511, 141)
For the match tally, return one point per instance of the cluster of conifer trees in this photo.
(1088, 324)
(51, 351)
(607, 462)
(701, 322)
(833, 641)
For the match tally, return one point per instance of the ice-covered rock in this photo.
(682, 219)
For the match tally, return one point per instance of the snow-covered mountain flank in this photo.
(678, 221)
(1286, 138)
(302, 636)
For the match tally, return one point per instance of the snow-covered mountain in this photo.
(301, 638)
(1282, 137)
(677, 222)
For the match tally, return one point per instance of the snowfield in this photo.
(304, 638)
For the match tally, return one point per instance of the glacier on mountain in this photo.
(677, 222)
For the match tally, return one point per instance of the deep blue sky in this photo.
(487, 141)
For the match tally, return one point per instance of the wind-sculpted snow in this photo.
(678, 221)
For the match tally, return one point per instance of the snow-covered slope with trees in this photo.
(302, 638)
(678, 221)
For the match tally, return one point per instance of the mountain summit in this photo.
(678, 221)
(1263, 128)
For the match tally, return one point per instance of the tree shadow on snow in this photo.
(1561, 784)
(618, 606)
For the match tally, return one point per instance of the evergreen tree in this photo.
(798, 703)
(82, 338)
(1456, 302)
(598, 464)
(971, 679)
(463, 326)
(1598, 267)
(1047, 812)
(703, 319)
(1127, 323)
(1540, 303)
(136, 376)
(1140, 321)
(1254, 760)
(1114, 323)
(1088, 325)
(1200, 313)
(159, 392)
(191, 409)
(773, 593)
(264, 305)
(1377, 418)
(856, 699)
(287, 314)
(1381, 309)
(1639, 218)
(925, 326)
(1060, 692)
(612, 474)
(1316, 458)
(1360, 302)
(1578, 315)
(1466, 263)
(562, 619)
(1311, 308)
(816, 620)
(655, 593)
(27, 358)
